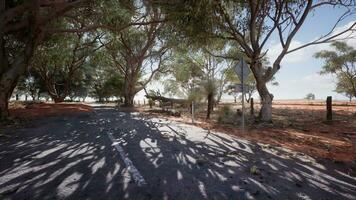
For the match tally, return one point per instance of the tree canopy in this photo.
(341, 62)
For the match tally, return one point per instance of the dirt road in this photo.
(115, 155)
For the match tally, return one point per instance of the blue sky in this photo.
(299, 73)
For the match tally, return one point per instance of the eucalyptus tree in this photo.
(184, 78)
(250, 82)
(26, 24)
(23, 25)
(138, 53)
(196, 73)
(251, 25)
(342, 62)
(60, 62)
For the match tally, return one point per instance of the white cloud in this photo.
(306, 54)
(317, 81)
(320, 85)
(297, 57)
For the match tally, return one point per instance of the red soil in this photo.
(38, 110)
(300, 127)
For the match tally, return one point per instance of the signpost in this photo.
(242, 72)
(192, 112)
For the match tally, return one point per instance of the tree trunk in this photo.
(8, 82)
(57, 96)
(210, 105)
(58, 99)
(4, 102)
(129, 93)
(10, 72)
(265, 114)
(129, 100)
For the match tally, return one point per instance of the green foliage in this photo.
(196, 73)
(105, 80)
(114, 86)
(188, 21)
(341, 62)
(225, 115)
(30, 85)
(310, 96)
(150, 102)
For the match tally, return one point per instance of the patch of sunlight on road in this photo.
(199, 136)
(150, 148)
(202, 189)
(49, 151)
(99, 164)
(69, 185)
(266, 188)
(179, 175)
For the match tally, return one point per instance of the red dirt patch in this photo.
(38, 110)
(300, 127)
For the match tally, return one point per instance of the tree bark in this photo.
(210, 105)
(129, 92)
(8, 82)
(265, 114)
(4, 102)
(58, 99)
(11, 72)
(129, 100)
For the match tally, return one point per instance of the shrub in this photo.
(225, 115)
(150, 102)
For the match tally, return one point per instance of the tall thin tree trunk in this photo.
(210, 105)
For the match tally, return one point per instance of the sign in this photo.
(242, 70)
(238, 88)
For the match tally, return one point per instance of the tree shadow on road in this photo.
(73, 158)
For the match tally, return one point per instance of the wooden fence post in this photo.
(251, 107)
(329, 111)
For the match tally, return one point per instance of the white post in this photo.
(193, 112)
